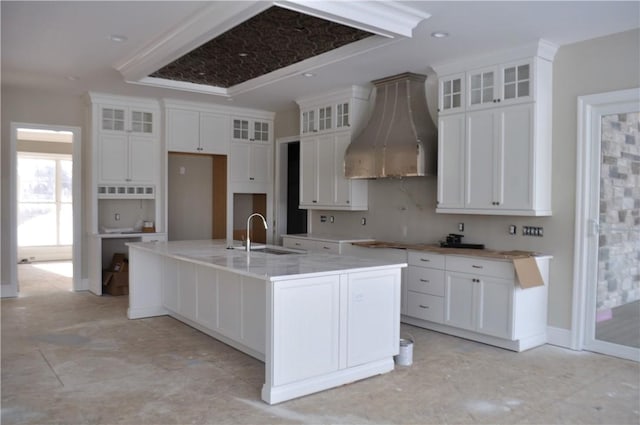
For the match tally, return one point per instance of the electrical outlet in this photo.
(532, 231)
(331, 219)
(512, 229)
(323, 219)
(460, 227)
(363, 221)
(117, 216)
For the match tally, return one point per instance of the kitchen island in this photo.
(317, 321)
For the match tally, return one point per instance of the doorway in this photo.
(290, 218)
(607, 286)
(45, 214)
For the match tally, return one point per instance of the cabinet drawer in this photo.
(328, 247)
(307, 245)
(502, 269)
(425, 259)
(426, 281)
(425, 307)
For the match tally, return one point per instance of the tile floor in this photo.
(74, 358)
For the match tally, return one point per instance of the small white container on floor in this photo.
(405, 356)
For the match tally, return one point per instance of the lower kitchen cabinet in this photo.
(481, 299)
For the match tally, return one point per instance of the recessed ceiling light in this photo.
(243, 54)
(308, 74)
(439, 34)
(117, 38)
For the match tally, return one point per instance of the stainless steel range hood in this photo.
(400, 139)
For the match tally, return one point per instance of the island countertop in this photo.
(262, 265)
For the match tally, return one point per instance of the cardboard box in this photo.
(115, 279)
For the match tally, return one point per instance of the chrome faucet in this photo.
(264, 221)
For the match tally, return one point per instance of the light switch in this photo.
(183, 170)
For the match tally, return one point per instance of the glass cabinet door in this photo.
(516, 81)
(141, 122)
(482, 87)
(113, 119)
(451, 94)
(261, 131)
(240, 129)
(343, 115)
(324, 118)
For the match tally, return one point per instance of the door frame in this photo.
(11, 290)
(280, 211)
(590, 110)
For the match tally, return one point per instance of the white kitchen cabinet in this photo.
(318, 243)
(451, 161)
(207, 300)
(451, 94)
(195, 131)
(250, 163)
(499, 167)
(506, 150)
(323, 184)
(127, 145)
(251, 130)
(425, 286)
(482, 300)
(324, 118)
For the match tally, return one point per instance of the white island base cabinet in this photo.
(313, 331)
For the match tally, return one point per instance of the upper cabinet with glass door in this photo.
(126, 119)
(251, 130)
(451, 94)
(333, 112)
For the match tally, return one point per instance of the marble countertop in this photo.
(487, 253)
(327, 238)
(215, 253)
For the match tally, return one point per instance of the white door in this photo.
(143, 156)
(260, 164)
(482, 133)
(113, 157)
(608, 233)
(495, 301)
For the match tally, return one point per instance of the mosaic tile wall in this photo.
(619, 243)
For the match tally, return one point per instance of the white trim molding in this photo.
(586, 220)
(559, 336)
(391, 21)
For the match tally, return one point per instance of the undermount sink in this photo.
(275, 251)
(269, 250)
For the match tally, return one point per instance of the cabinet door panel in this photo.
(170, 284)
(260, 165)
(343, 185)
(254, 302)
(326, 173)
(214, 133)
(183, 133)
(451, 159)
(426, 281)
(143, 159)
(514, 188)
(481, 141)
(308, 172)
(314, 302)
(187, 293)
(207, 296)
(229, 312)
(239, 162)
(372, 320)
(113, 158)
(459, 301)
(494, 307)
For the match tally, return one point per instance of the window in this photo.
(45, 215)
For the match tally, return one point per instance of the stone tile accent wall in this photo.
(619, 241)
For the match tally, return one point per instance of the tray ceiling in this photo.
(271, 40)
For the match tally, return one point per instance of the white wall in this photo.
(37, 107)
(190, 197)
(404, 210)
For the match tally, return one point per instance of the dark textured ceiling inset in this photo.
(271, 40)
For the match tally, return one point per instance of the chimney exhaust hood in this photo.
(400, 139)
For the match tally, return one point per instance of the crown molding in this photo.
(392, 22)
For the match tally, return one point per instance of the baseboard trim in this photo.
(559, 336)
(7, 291)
